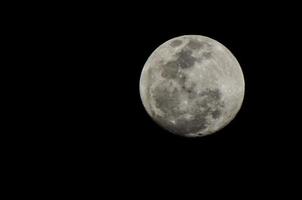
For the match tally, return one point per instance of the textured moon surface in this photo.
(192, 86)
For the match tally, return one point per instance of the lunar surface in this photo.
(192, 86)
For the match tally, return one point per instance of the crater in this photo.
(175, 43)
(181, 79)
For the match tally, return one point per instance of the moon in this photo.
(192, 86)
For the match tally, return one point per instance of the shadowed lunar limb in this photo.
(197, 87)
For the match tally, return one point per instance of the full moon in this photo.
(192, 86)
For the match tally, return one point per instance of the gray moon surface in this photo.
(192, 86)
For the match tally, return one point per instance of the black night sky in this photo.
(99, 126)
(119, 130)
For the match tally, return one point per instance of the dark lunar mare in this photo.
(175, 43)
(209, 103)
(195, 44)
(185, 59)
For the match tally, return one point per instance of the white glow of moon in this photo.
(192, 86)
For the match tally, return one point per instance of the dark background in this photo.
(261, 142)
(89, 121)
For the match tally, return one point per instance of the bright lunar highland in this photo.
(192, 86)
